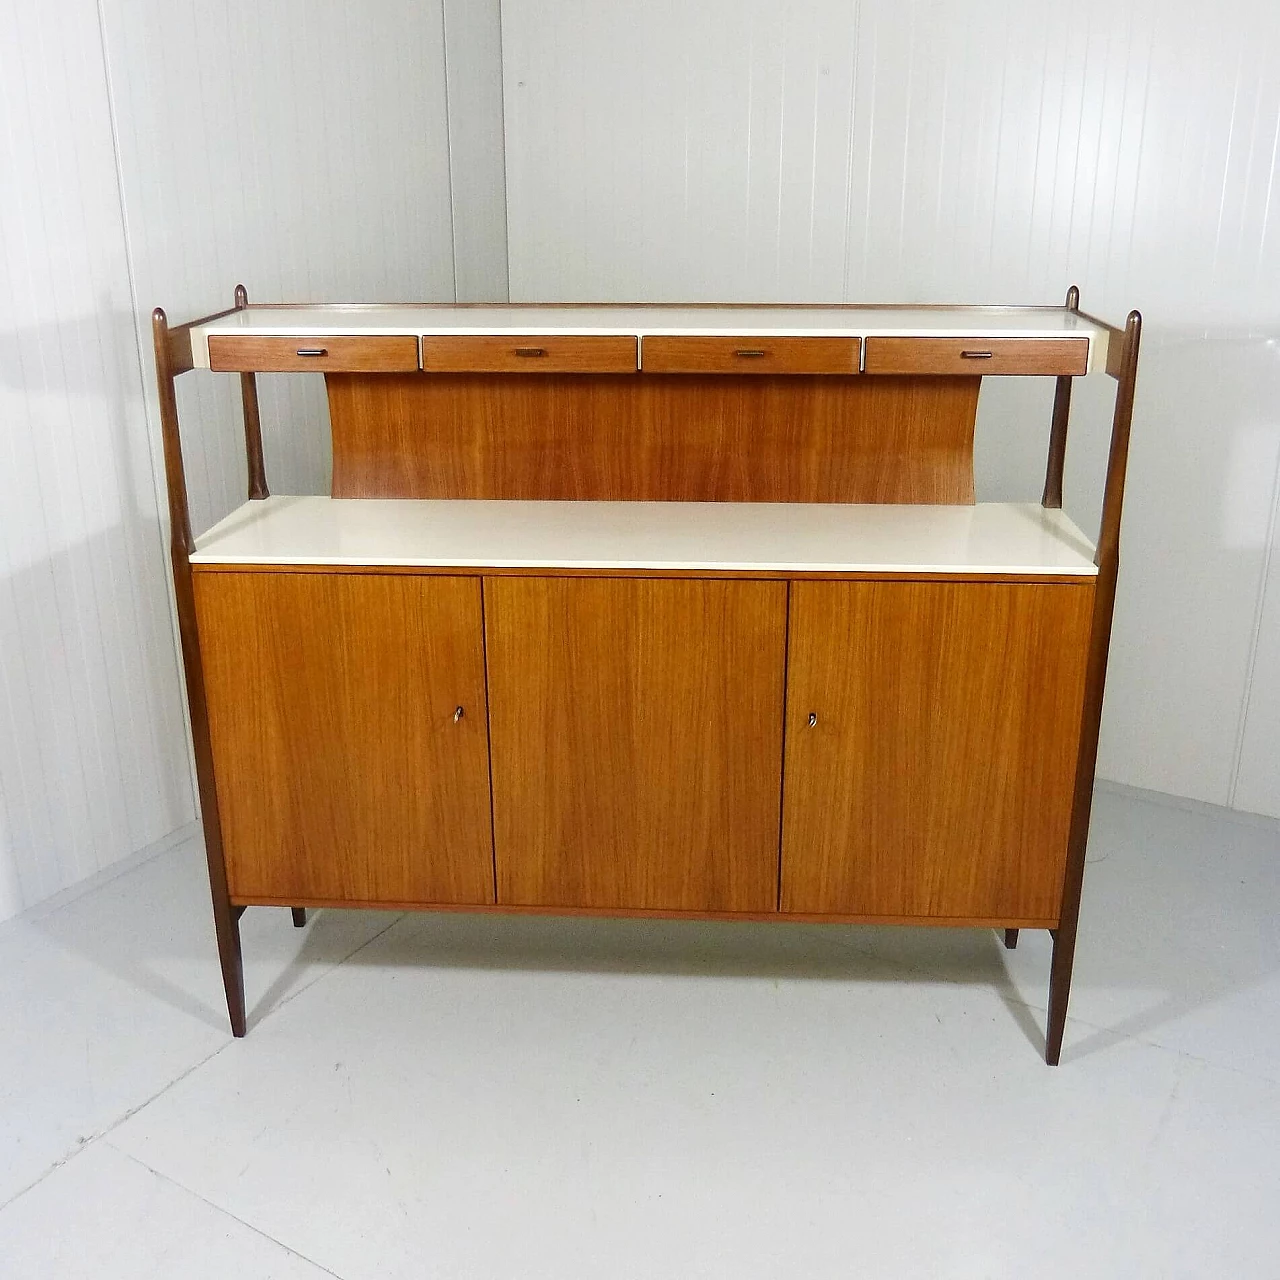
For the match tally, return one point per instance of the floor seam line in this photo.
(220, 1209)
(101, 1136)
(104, 1133)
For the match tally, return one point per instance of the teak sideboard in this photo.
(668, 610)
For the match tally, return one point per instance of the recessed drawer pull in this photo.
(531, 351)
(313, 351)
(975, 355)
(751, 353)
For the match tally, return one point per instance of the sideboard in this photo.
(658, 610)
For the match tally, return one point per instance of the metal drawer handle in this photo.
(312, 351)
(751, 353)
(813, 719)
(458, 714)
(531, 351)
(975, 355)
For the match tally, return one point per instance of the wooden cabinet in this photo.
(637, 741)
(349, 733)
(648, 634)
(932, 731)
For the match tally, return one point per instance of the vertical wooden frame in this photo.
(1058, 431)
(181, 544)
(1107, 559)
(252, 420)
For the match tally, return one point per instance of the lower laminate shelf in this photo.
(769, 539)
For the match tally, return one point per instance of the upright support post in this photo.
(1058, 432)
(1107, 559)
(181, 544)
(252, 420)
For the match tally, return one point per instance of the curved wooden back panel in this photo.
(652, 437)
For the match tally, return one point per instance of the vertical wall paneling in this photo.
(930, 151)
(663, 151)
(160, 151)
(299, 146)
(477, 160)
(91, 760)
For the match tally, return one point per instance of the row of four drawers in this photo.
(658, 353)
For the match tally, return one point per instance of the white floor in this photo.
(455, 1096)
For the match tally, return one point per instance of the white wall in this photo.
(839, 151)
(92, 756)
(159, 152)
(299, 147)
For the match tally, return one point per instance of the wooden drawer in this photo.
(976, 356)
(252, 354)
(510, 353)
(749, 355)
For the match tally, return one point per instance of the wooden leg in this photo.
(299, 916)
(226, 924)
(1010, 938)
(1064, 954)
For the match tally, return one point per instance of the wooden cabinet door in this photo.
(637, 741)
(936, 778)
(344, 772)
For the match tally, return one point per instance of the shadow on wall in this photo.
(93, 757)
(1200, 516)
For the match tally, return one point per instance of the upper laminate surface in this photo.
(746, 321)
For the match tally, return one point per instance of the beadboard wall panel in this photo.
(934, 152)
(300, 147)
(159, 153)
(92, 759)
(477, 164)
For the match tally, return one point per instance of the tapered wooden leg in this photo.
(226, 925)
(1064, 954)
(1010, 938)
(299, 916)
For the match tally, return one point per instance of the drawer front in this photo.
(976, 356)
(543, 353)
(229, 353)
(749, 355)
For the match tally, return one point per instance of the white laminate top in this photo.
(859, 322)
(791, 538)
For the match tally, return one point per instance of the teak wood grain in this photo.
(937, 777)
(983, 356)
(263, 354)
(661, 354)
(637, 742)
(682, 437)
(342, 773)
(554, 353)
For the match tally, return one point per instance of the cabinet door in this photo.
(637, 741)
(936, 778)
(342, 772)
